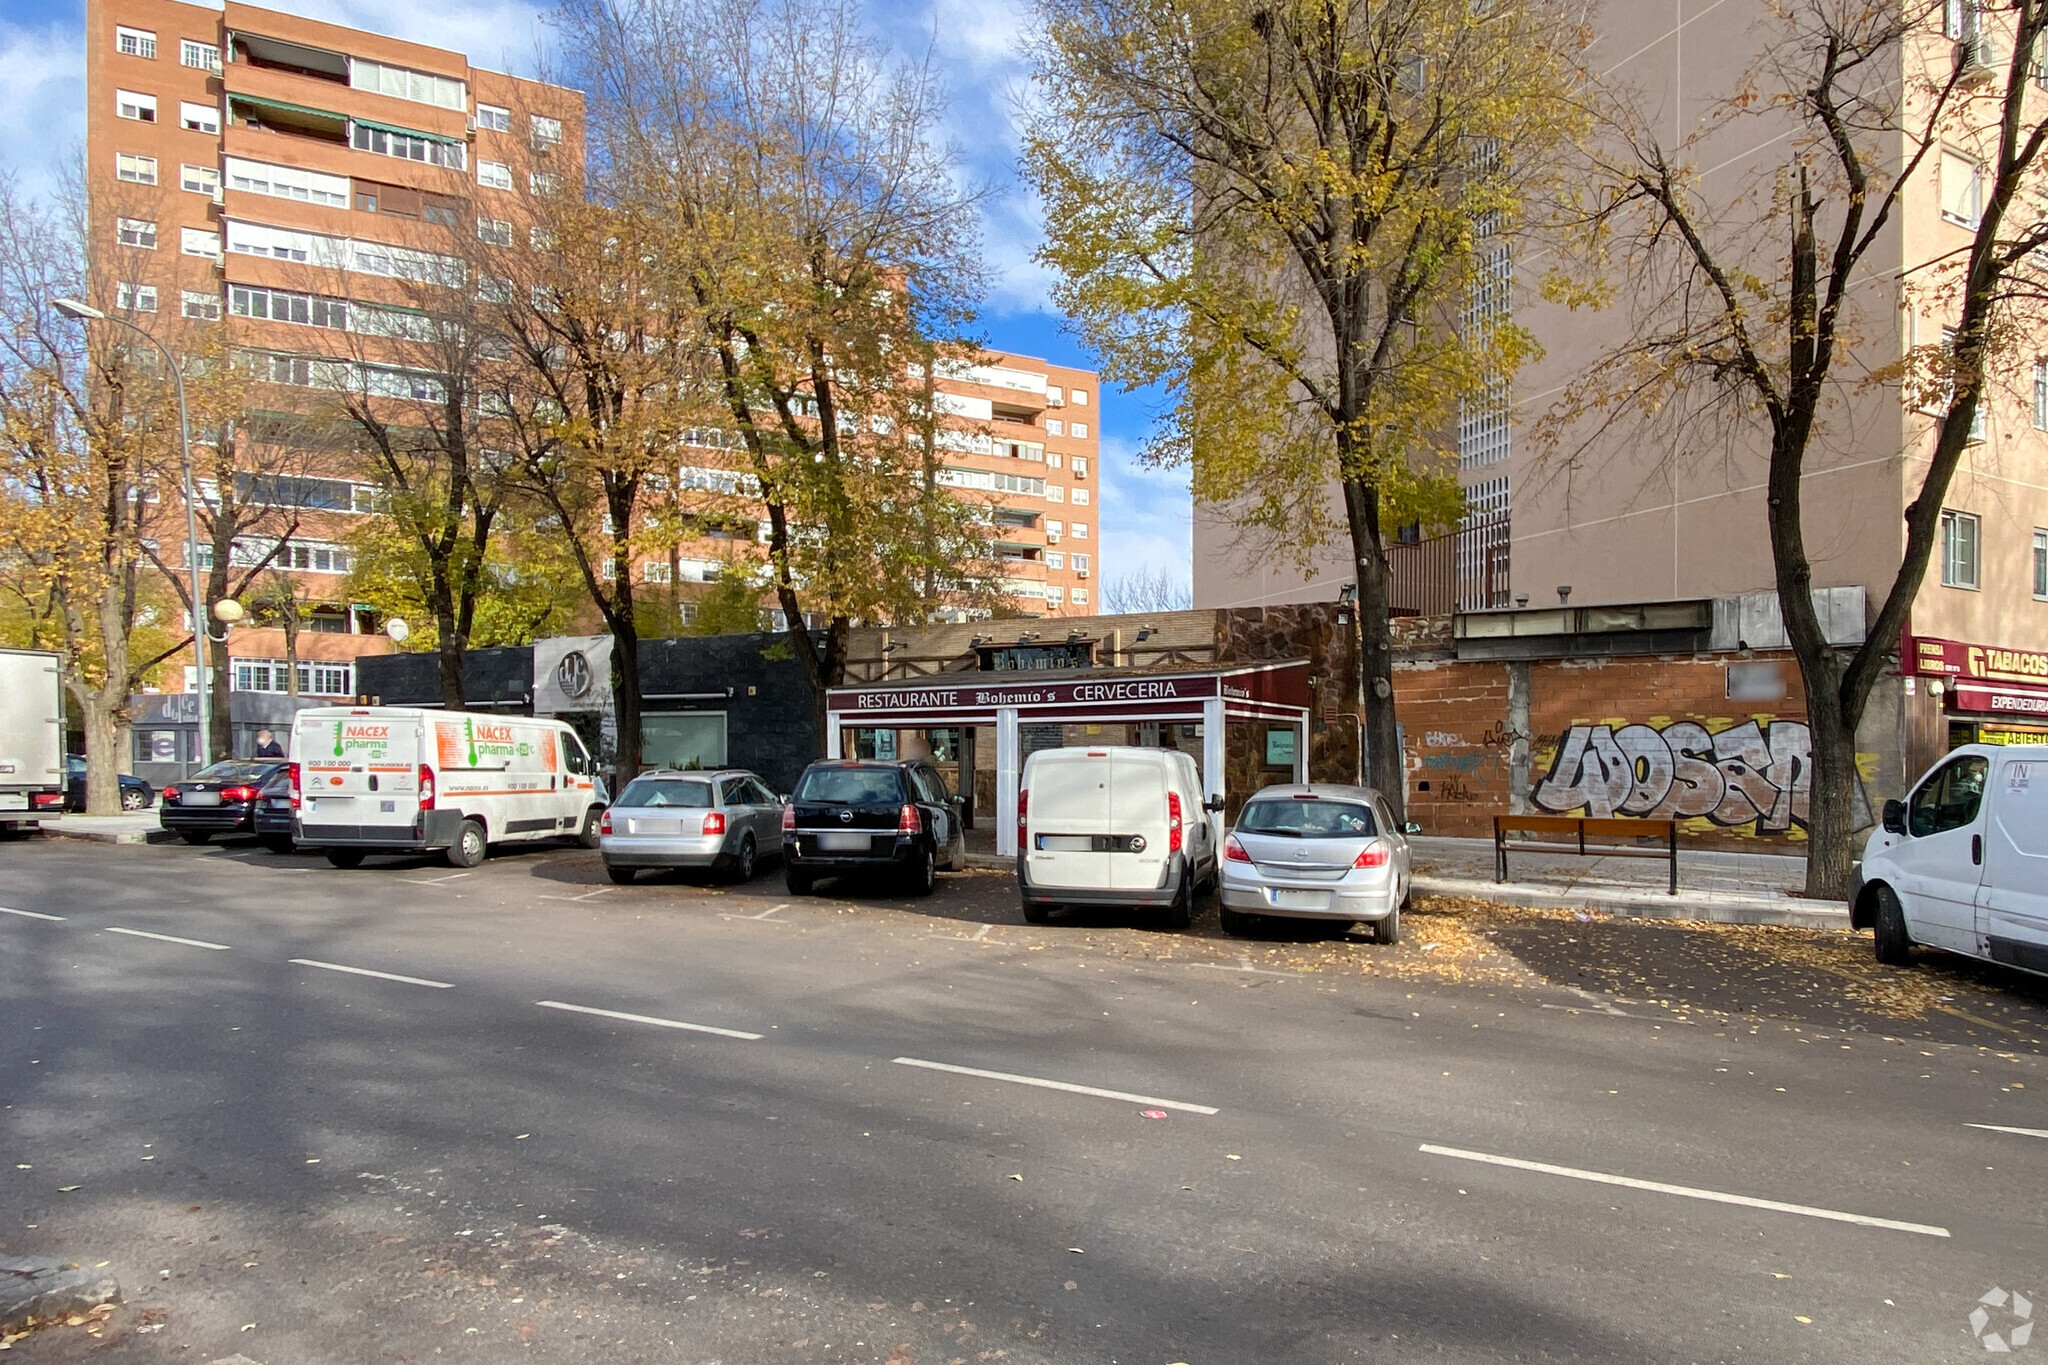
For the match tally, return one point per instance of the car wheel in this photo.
(193, 836)
(470, 845)
(278, 843)
(588, 835)
(1235, 923)
(622, 875)
(743, 865)
(924, 874)
(346, 857)
(799, 883)
(1388, 930)
(131, 799)
(1894, 946)
(1181, 913)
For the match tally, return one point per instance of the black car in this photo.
(218, 799)
(135, 793)
(274, 813)
(851, 816)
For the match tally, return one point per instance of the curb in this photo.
(102, 836)
(38, 1289)
(1643, 905)
(992, 861)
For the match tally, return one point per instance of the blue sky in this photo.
(1144, 512)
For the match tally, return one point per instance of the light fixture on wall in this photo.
(1564, 594)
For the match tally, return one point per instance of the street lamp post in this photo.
(85, 312)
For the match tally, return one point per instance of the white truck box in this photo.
(31, 738)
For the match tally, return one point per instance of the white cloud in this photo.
(42, 102)
(1146, 515)
(499, 35)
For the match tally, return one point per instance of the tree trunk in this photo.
(103, 764)
(220, 737)
(626, 698)
(448, 648)
(1384, 763)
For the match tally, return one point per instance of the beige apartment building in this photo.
(302, 181)
(1672, 510)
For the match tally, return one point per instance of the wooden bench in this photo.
(1610, 834)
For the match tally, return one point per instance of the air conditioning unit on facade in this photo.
(1977, 57)
(1080, 573)
(220, 195)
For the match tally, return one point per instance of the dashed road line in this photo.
(1686, 1191)
(168, 938)
(621, 1015)
(365, 971)
(2001, 1128)
(29, 914)
(1045, 1084)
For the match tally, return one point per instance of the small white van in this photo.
(1962, 863)
(404, 779)
(1114, 826)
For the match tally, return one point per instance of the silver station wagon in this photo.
(721, 820)
(1320, 851)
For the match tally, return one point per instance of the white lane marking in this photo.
(1244, 964)
(1605, 1006)
(168, 938)
(2001, 1128)
(1685, 1191)
(1045, 1084)
(435, 881)
(976, 937)
(763, 917)
(365, 971)
(649, 1019)
(588, 895)
(29, 914)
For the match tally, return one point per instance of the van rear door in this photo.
(1139, 800)
(2012, 904)
(359, 768)
(1069, 818)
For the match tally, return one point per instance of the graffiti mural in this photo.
(1749, 774)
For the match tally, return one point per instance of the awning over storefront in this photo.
(1273, 692)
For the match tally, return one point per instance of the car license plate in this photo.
(1301, 900)
(643, 827)
(1066, 843)
(837, 842)
(200, 799)
(13, 801)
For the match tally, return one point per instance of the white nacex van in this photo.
(1114, 826)
(1962, 863)
(402, 779)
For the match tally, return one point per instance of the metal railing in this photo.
(1465, 570)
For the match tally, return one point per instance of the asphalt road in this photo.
(1513, 1138)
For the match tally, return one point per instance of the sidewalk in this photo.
(140, 827)
(1729, 888)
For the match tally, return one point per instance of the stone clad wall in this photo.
(1312, 631)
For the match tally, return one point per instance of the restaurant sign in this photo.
(980, 695)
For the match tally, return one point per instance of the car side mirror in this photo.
(1214, 803)
(1410, 827)
(1895, 817)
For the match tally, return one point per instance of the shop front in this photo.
(942, 716)
(1990, 694)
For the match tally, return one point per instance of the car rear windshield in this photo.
(1307, 819)
(667, 791)
(851, 786)
(234, 771)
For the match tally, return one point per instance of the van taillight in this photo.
(1173, 822)
(293, 769)
(714, 822)
(788, 817)
(1023, 805)
(426, 787)
(909, 820)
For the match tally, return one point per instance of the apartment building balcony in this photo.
(1466, 570)
(318, 78)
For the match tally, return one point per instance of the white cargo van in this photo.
(31, 738)
(1114, 826)
(1962, 863)
(402, 779)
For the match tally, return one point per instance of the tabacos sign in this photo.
(1991, 663)
(368, 740)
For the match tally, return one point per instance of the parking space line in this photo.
(649, 1019)
(435, 881)
(1686, 1191)
(586, 896)
(1044, 1084)
(168, 938)
(2001, 1128)
(29, 914)
(365, 971)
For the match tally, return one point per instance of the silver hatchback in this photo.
(1320, 851)
(721, 820)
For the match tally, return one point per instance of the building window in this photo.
(199, 242)
(1080, 466)
(495, 231)
(546, 131)
(540, 239)
(492, 117)
(1055, 493)
(135, 42)
(1080, 597)
(1055, 559)
(418, 86)
(274, 675)
(1080, 564)
(201, 56)
(198, 118)
(198, 179)
(543, 182)
(1055, 595)
(200, 307)
(1053, 531)
(494, 175)
(1078, 397)
(1977, 414)
(2041, 564)
(1081, 497)
(128, 104)
(1080, 530)
(135, 298)
(288, 182)
(1959, 531)
(654, 571)
(1080, 431)
(1962, 189)
(1055, 427)
(136, 170)
(1959, 19)
(2041, 395)
(278, 305)
(1053, 460)
(136, 232)
(434, 151)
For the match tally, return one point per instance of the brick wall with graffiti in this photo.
(1655, 738)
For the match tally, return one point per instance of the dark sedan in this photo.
(856, 817)
(135, 793)
(218, 799)
(274, 813)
